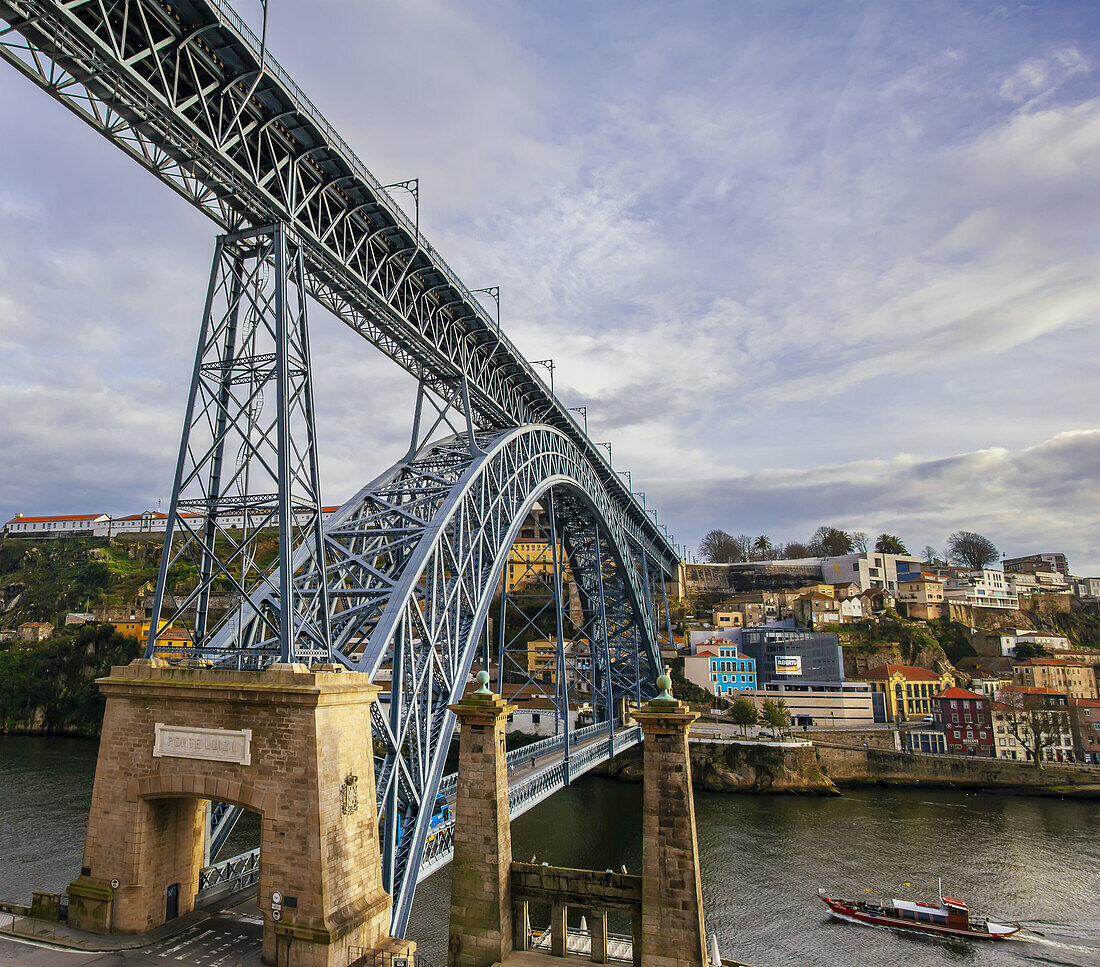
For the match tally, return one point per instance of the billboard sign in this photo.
(788, 664)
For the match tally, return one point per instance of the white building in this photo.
(1088, 589)
(67, 525)
(981, 588)
(1042, 639)
(869, 569)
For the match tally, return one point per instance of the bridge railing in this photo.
(449, 783)
(230, 876)
(532, 789)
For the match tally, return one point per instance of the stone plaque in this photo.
(216, 745)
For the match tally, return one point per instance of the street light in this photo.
(608, 445)
(493, 292)
(549, 364)
(411, 185)
(583, 410)
(629, 479)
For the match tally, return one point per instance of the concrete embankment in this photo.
(847, 766)
(739, 767)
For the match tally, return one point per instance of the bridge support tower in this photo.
(481, 886)
(672, 933)
(290, 744)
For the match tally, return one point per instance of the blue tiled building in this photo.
(720, 668)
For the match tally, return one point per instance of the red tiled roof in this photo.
(959, 693)
(25, 520)
(1059, 662)
(700, 654)
(1086, 702)
(1032, 690)
(906, 671)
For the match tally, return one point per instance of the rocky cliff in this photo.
(740, 767)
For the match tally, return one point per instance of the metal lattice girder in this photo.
(183, 88)
(248, 463)
(412, 565)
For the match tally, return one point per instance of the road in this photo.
(220, 941)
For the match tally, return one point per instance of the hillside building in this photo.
(920, 596)
(908, 690)
(1071, 678)
(965, 718)
(869, 569)
(721, 669)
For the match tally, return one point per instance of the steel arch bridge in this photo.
(399, 582)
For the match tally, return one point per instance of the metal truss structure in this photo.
(251, 401)
(185, 89)
(400, 581)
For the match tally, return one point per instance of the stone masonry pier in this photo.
(290, 744)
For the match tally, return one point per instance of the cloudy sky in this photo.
(805, 263)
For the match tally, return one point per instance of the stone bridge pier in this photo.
(491, 895)
(290, 744)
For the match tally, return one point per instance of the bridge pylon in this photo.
(247, 469)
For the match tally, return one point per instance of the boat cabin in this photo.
(958, 916)
(923, 912)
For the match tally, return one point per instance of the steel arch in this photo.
(412, 565)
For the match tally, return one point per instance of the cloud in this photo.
(1041, 497)
(1039, 77)
(749, 237)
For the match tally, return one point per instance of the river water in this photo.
(762, 857)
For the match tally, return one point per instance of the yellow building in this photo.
(908, 690)
(532, 561)
(542, 660)
(137, 629)
(821, 590)
(1073, 679)
(921, 597)
(724, 618)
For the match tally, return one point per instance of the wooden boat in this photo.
(949, 917)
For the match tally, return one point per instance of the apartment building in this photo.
(1071, 678)
(920, 596)
(981, 588)
(869, 569)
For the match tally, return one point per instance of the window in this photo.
(957, 734)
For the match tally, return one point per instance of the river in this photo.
(762, 857)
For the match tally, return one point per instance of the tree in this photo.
(777, 715)
(744, 714)
(763, 547)
(928, 555)
(890, 544)
(795, 551)
(718, 547)
(859, 540)
(1026, 650)
(830, 542)
(967, 549)
(1033, 721)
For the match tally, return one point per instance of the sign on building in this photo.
(788, 664)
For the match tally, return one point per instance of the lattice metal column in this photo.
(246, 495)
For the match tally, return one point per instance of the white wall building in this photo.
(66, 525)
(869, 569)
(981, 588)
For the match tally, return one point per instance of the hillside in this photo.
(50, 686)
(43, 580)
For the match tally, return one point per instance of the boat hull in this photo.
(849, 911)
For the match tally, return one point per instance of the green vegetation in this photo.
(50, 686)
(743, 713)
(916, 643)
(1081, 626)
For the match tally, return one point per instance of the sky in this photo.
(804, 263)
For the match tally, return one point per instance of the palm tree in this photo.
(763, 546)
